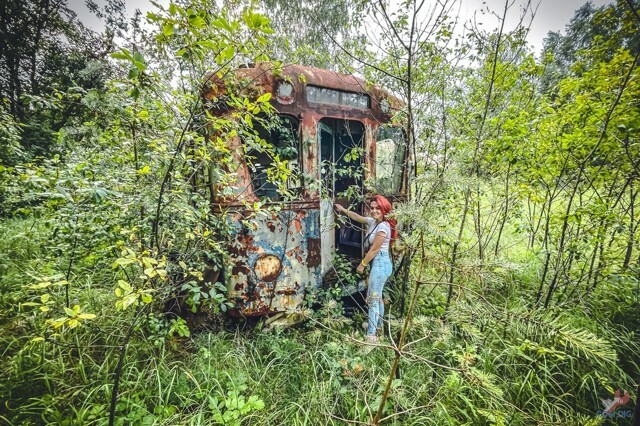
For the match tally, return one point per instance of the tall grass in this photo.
(493, 361)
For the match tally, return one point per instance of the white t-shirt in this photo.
(373, 229)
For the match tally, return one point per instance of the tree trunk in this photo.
(505, 215)
(478, 225)
(632, 228)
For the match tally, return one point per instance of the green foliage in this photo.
(345, 273)
(233, 407)
(210, 297)
(127, 220)
(10, 137)
(593, 35)
(521, 230)
(305, 31)
(48, 63)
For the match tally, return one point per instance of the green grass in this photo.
(492, 362)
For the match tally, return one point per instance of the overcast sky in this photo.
(551, 15)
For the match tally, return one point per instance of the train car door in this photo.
(341, 175)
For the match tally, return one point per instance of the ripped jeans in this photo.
(380, 272)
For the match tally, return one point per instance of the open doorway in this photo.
(341, 170)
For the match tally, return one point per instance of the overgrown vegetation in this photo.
(519, 299)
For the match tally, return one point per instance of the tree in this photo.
(592, 35)
(48, 60)
(305, 31)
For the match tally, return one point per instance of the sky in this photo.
(551, 15)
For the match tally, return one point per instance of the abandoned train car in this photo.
(336, 134)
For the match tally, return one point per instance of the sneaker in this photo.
(372, 338)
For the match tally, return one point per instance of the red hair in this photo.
(386, 208)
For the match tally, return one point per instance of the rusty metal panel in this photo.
(262, 79)
(273, 259)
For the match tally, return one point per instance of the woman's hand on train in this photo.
(339, 208)
(360, 268)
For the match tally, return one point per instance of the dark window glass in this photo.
(273, 159)
(341, 157)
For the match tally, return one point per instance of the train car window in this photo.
(275, 165)
(390, 154)
(341, 156)
(323, 95)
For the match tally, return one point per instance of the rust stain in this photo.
(267, 268)
(257, 284)
(246, 240)
(240, 268)
(235, 250)
(264, 80)
(313, 252)
(297, 222)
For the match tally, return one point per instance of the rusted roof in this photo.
(263, 77)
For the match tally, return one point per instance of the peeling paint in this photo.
(277, 259)
(268, 267)
(313, 252)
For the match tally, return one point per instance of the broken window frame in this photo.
(389, 172)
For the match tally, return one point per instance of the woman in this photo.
(381, 231)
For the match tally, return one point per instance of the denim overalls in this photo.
(381, 268)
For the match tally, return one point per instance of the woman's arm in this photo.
(352, 215)
(375, 248)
